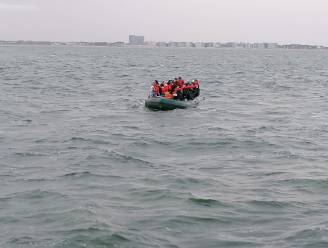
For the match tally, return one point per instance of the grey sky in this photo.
(283, 21)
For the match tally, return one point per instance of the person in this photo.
(178, 93)
(161, 89)
(180, 81)
(169, 86)
(196, 89)
(155, 89)
(188, 91)
(175, 81)
(164, 88)
(174, 85)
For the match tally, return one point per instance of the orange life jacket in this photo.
(168, 95)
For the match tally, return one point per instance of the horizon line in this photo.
(145, 42)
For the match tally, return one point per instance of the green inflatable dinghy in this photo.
(161, 103)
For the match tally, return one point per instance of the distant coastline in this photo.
(262, 45)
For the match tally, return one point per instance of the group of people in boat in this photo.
(176, 89)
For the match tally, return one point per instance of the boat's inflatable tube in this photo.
(161, 103)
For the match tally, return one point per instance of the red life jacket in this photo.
(156, 89)
(177, 89)
(196, 84)
(180, 82)
(165, 88)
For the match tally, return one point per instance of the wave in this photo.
(29, 154)
(99, 141)
(207, 202)
(315, 236)
(96, 239)
(196, 220)
(275, 204)
(307, 183)
(217, 242)
(128, 158)
(209, 143)
(152, 195)
(86, 174)
(34, 194)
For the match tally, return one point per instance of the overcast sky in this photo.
(283, 21)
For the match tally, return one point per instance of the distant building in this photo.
(117, 44)
(259, 45)
(181, 44)
(270, 45)
(136, 40)
(240, 45)
(209, 44)
(299, 46)
(161, 44)
(172, 44)
(247, 45)
(100, 43)
(230, 44)
(217, 44)
(150, 43)
(199, 44)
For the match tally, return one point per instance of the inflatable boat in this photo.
(161, 103)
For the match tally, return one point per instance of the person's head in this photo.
(180, 78)
(175, 79)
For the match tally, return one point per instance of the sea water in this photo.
(84, 164)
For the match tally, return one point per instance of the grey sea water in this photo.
(84, 164)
